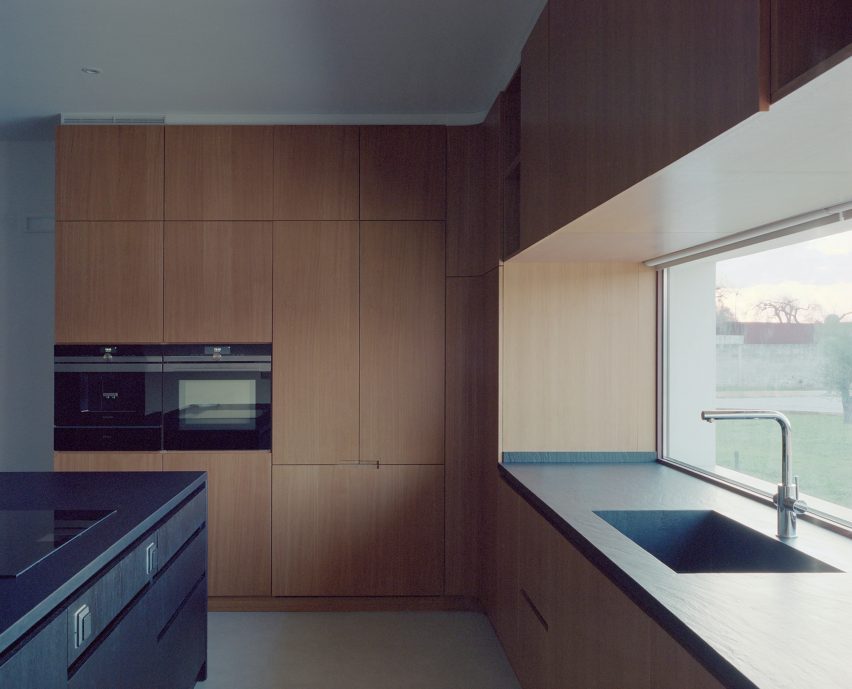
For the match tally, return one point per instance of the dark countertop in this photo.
(772, 631)
(139, 499)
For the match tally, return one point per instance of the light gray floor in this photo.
(354, 650)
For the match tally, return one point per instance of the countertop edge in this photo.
(698, 648)
(10, 635)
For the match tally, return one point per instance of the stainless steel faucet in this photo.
(787, 498)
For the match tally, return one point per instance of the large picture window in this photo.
(769, 327)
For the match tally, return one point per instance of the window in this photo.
(767, 327)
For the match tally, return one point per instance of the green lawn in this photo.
(822, 453)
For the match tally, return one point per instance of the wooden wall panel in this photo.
(535, 146)
(218, 282)
(493, 219)
(109, 282)
(466, 229)
(315, 372)
(402, 342)
(218, 173)
(107, 461)
(239, 518)
(358, 530)
(579, 357)
(635, 86)
(109, 173)
(471, 423)
(403, 173)
(316, 173)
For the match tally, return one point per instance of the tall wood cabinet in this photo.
(358, 530)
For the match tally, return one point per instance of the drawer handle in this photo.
(535, 611)
(82, 625)
(151, 559)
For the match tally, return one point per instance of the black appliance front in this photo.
(107, 398)
(217, 397)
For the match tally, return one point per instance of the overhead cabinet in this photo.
(358, 530)
(109, 282)
(218, 282)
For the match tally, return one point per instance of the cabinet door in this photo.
(316, 173)
(109, 173)
(41, 663)
(218, 173)
(403, 173)
(107, 461)
(238, 521)
(218, 282)
(402, 342)
(315, 372)
(358, 530)
(109, 282)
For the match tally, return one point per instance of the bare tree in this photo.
(785, 309)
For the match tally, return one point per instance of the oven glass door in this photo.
(222, 406)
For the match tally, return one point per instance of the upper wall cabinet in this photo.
(218, 282)
(807, 38)
(109, 282)
(632, 87)
(316, 173)
(403, 173)
(109, 173)
(218, 173)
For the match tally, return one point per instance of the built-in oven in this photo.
(217, 397)
(107, 397)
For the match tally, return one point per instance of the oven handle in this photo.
(107, 368)
(226, 366)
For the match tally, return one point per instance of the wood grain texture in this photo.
(239, 518)
(109, 173)
(316, 173)
(807, 39)
(218, 173)
(403, 173)
(402, 342)
(315, 376)
(579, 358)
(109, 282)
(535, 146)
(467, 240)
(358, 530)
(635, 86)
(472, 406)
(218, 282)
(503, 567)
(107, 461)
(344, 604)
(493, 219)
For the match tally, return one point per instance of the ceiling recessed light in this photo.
(91, 70)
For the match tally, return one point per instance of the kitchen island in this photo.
(103, 580)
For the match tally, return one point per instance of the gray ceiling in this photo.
(282, 60)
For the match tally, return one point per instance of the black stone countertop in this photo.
(139, 499)
(772, 631)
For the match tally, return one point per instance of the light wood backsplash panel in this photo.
(578, 357)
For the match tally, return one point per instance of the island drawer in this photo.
(175, 581)
(181, 525)
(92, 611)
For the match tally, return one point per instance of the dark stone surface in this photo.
(772, 631)
(140, 500)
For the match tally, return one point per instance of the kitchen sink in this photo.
(693, 541)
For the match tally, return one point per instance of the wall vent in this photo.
(112, 119)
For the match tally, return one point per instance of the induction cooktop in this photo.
(29, 536)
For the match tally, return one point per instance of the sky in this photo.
(817, 273)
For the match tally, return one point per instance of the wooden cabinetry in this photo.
(358, 530)
(403, 173)
(468, 239)
(109, 173)
(807, 38)
(535, 147)
(218, 282)
(315, 376)
(239, 518)
(107, 461)
(402, 342)
(316, 173)
(109, 282)
(218, 173)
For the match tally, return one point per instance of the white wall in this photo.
(26, 305)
